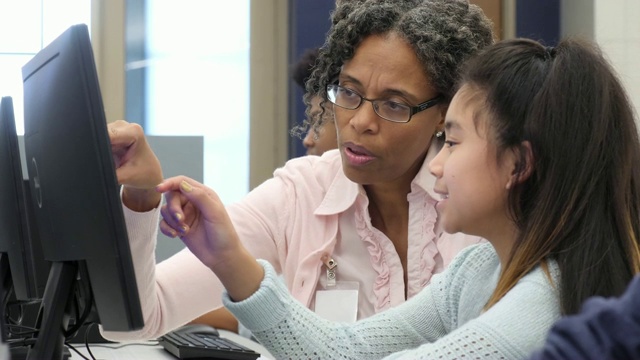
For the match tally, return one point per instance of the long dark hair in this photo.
(579, 206)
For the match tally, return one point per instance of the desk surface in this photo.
(150, 349)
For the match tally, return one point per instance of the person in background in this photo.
(356, 226)
(322, 137)
(549, 178)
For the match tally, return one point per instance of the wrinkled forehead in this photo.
(388, 62)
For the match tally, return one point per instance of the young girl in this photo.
(540, 159)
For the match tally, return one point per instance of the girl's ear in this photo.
(522, 172)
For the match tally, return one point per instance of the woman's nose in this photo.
(364, 118)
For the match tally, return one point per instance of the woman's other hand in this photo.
(137, 167)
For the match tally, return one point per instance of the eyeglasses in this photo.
(386, 109)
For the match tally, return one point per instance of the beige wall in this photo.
(576, 18)
(269, 86)
(617, 30)
(107, 38)
(614, 25)
(493, 10)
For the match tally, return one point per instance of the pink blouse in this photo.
(309, 211)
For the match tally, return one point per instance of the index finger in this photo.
(173, 183)
(205, 199)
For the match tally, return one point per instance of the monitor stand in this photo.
(55, 316)
(17, 352)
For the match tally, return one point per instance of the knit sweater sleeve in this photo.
(291, 331)
(511, 329)
(421, 328)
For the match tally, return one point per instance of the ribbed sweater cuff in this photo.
(265, 307)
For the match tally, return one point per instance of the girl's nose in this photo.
(436, 164)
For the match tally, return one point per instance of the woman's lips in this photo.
(357, 155)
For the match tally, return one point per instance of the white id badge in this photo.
(338, 302)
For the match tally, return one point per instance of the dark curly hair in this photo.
(443, 33)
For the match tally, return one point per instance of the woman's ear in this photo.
(443, 114)
(522, 171)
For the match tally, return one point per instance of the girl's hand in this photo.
(195, 213)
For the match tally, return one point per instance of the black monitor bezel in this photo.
(60, 82)
(28, 270)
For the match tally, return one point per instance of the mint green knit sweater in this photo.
(445, 321)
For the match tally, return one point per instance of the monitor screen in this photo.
(74, 189)
(25, 271)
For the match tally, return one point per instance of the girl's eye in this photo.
(449, 143)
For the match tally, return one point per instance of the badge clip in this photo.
(331, 272)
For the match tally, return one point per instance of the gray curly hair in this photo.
(443, 33)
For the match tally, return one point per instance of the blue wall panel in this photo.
(309, 23)
(538, 20)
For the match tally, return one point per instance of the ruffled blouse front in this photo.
(367, 256)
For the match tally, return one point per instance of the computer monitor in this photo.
(74, 191)
(24, 269)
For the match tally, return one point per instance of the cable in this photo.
(73, 330)
(31, 330)
(78, 352)
(86, 338)
(115, 347)
(5, 306)
(21, 305)
(21, 342)
(85, 314)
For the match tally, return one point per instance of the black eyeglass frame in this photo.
(413, 109)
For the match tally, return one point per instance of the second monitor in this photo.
(24, 270)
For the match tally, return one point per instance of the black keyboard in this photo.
(204, 346)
